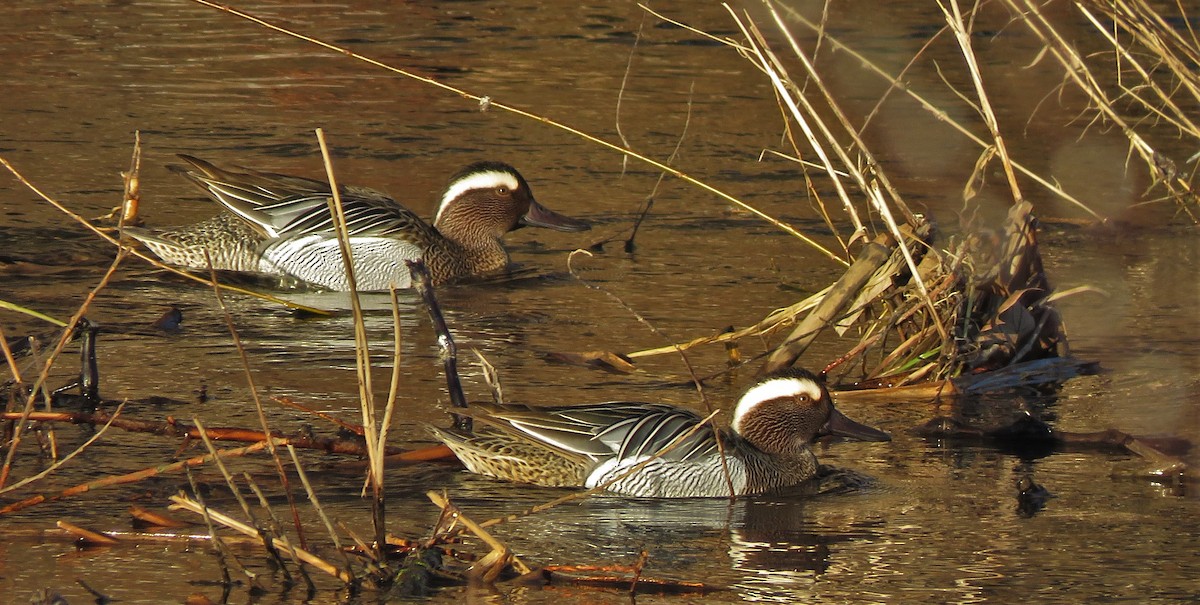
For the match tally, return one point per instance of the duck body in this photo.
(281, 225)
(655, 450)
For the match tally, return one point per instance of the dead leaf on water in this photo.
(86, 537)
(148, 518)
(604, 360)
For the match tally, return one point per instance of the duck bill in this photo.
(541, 216)
(841, 426)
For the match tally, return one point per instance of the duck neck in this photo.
(453, 257)
(766, 471)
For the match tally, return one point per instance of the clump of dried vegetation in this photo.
(918, 316)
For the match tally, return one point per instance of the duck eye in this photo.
(502, 190)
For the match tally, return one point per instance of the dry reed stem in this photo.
(814, 76)
(766, 62)
(389, 407)
(273, 528)
(127, 212)
(493, 104)
(859, 145)
(490, 376)
(13, 368)
(786, 89)
(133, 190)
(173, 428)
(1145, 27)
(962, 35)
(785, 317)
(773, 321)
(687, 121)
(282, 543)
(357, 429)
(4, 304)
(362, 352)
(258, 406)
(770, 64)
(362, 356)
(621, 92)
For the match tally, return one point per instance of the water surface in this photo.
(928, 521)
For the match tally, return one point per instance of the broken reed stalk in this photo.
(958, 26)
(61, 462)
(223, 553)
(258, 406)
(787, 90)
(128, 478)
(362, 355)
(230, 482)
(173, 428)
(839, 297)
(488, 102)
(152, 261)
(40, 382)
(442, 501)
(316, 504)
(281, 543)
(86, 536)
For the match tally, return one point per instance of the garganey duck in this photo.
(277, 224)
(766, 446)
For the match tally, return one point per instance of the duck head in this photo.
(787, 410)
(493, 198)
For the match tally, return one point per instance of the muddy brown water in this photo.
(926, 522)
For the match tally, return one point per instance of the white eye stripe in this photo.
(490, 179)
(773, 389)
